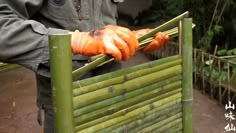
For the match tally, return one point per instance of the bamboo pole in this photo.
(203, 74)
(60, 63)
(173, 129)
(118, 73)
(228, 81)
(128, 115)
(156, 121)
(187, 76)
(123, 78)
(164, 26)
(126, 110)
(159, 92)
(117, 99)
(155, 115)
(195, 67)
(168, 126)
(180, 36)
(220, 89)
(160, 124)
(111, 91)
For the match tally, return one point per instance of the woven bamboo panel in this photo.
(143, 98)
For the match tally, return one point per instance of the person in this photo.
(26, 24)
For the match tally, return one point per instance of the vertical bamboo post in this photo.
(228, 80)
(195, 67)
(220, 90)
(180, 36)
(210, 74)
(61, 77)
(187, 65)
(202, 73)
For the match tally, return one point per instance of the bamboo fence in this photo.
(217, 78)
(152, 97)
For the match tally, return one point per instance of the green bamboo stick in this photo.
(128, 115)
(164, 26)
(168, 126)
(176, 128)
(121, 72)
(101, 94)
(160, 124)
(154, 110)
(60, 63)
(126, 103)
(156, 115)
(89, 66)
(150, 123)
(117, 99)
(123, 78)
(187, 75)
(8, 67)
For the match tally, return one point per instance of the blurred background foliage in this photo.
(215, 20)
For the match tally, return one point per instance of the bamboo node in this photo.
(125, 78)
(110, 89)
(123, 91)
(187, 101)
(151, 64)
(151, 106)
(111, 111)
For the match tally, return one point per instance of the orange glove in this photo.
(116, 41)
(160, 39)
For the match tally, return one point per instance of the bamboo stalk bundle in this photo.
(117, 99)
(89, 98)
(124, 78)
(156, 115)
(93, 80)
(176, 128)
(160, 124)
(124, 115)
(150, 123)
(126, 110)
(168, 126)
(159, 92)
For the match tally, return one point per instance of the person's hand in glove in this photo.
(116, 41)
(160, 39)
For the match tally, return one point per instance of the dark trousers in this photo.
(44, 99)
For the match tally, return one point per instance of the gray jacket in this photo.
(26, 24)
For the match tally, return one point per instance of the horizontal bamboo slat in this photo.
(100, 78)
(119, 117)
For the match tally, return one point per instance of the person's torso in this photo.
(83, 15)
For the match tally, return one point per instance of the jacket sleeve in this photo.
(23, 41)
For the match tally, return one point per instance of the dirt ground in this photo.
(18, 112)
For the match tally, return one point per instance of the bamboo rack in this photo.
(220, 87)
(152, 97)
